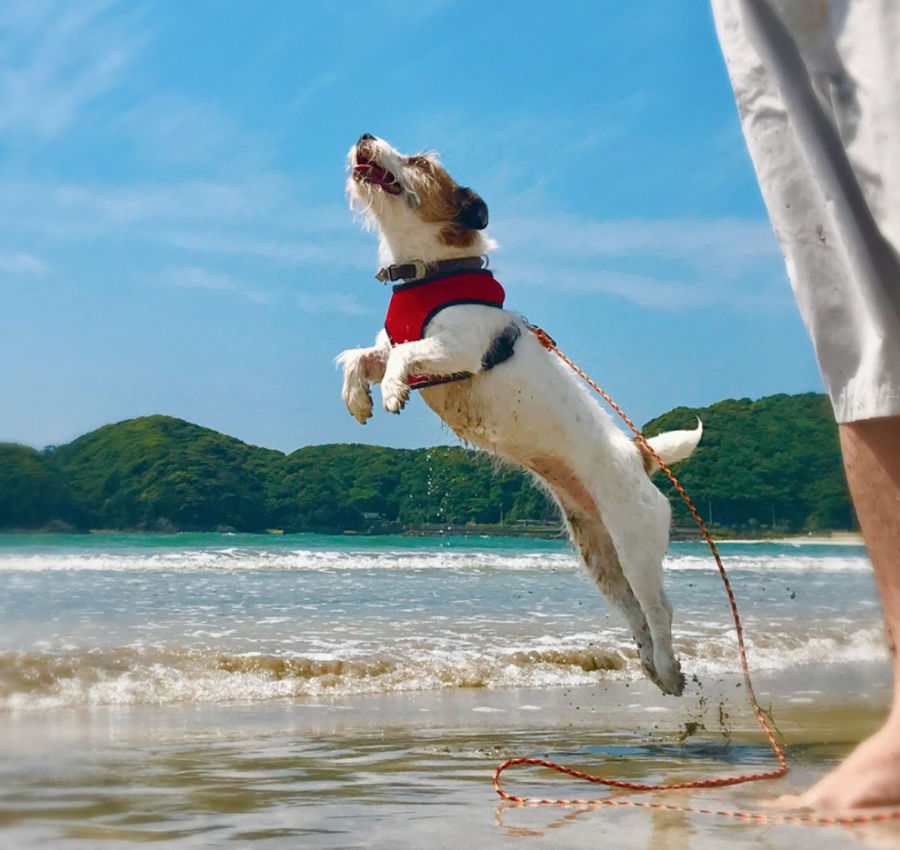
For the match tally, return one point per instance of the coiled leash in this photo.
(781, 770)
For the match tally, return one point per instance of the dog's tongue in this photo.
(376, 174)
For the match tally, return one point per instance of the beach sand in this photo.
(413, 770)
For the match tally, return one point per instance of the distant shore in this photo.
(534, 531)
(679, 534)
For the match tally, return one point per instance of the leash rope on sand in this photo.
(778, 751)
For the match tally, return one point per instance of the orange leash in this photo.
(781, 770)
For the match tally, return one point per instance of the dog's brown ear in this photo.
(473, 211)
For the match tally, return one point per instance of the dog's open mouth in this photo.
(371, 172)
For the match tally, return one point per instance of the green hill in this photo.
(33, 490)
(772, 463)
(160, 473)
(157, 471)
(767, 464)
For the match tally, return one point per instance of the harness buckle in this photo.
(413, 270)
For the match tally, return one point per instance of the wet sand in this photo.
(413, 770)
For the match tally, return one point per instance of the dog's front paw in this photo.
(395, 393)
(358, 399)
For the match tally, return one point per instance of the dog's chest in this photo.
(459, 405)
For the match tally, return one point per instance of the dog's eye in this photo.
(419, 161)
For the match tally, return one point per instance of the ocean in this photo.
(215, 689)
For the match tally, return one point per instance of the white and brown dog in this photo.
(490, 379)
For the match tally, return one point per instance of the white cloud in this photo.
(189, 201)
(338, 248)
(331, 303)
(257, 217)
(662, 263)
(224, 205)
(175, 131)
(66, 65)
(729, 245)
(195, 277)
(22, 264)
(646, 290)
(55, 59)
(520, 154)
(311, 89)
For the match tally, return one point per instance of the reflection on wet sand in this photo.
(412, 770)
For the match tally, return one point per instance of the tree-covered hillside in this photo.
(157, 471)
(160, 473)
(33, 490)
(775, 462)
(772, 463)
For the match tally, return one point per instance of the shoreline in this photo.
(833, 538)
(804, 702)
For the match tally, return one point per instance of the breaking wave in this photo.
(270, 560)
(166, 675)
(36, 680)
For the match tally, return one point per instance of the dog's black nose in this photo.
(366, 137)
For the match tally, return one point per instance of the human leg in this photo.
(870, 775)
(820, 115)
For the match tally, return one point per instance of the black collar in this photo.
(416, 269)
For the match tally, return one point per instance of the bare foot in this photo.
(868, 777)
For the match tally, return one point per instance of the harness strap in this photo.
(502, 347)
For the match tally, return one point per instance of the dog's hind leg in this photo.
(641, 547)
(598, 554)
(596, 551)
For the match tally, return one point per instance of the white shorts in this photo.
(817, 84)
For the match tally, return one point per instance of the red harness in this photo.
(414, 304)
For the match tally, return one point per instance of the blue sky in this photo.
(174, 236)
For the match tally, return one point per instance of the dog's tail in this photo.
(671, 446)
